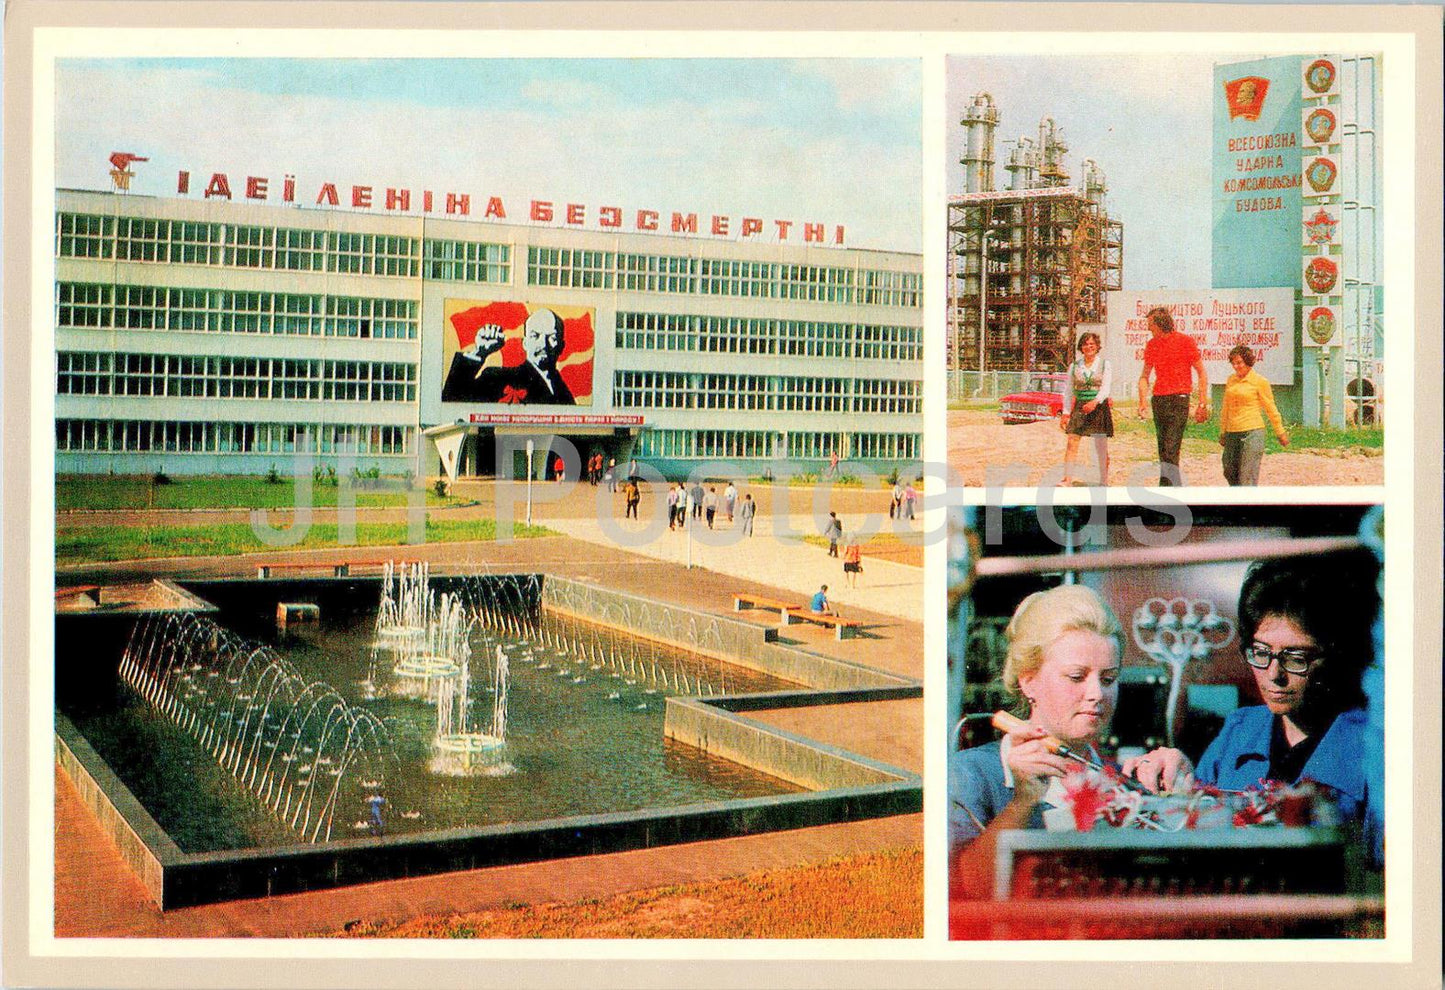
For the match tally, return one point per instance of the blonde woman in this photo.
(1062, 668)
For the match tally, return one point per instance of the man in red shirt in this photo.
(1171, 357)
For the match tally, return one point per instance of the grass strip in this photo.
(872, 895)
(877, 541)
(102, 543)
(79, 491)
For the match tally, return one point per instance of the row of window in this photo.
(255, 246)
(583, 269)
(194, 242)
(753, 444)
(149, 436)
(231, 245)
(147, 307)
(684, 390)
(468, 261)
(212, 377)
(748, 335)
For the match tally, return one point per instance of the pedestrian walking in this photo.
(672, 491)
(852, 561)
(1171, 357)
(895, 508)
(710, 505)
(730, 499)
(910, 495)
(1248, 399)
(833, 532)
(634, 497)
(747, 510)
(1087, 410)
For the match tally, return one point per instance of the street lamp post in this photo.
(687, 512)
(530, 447)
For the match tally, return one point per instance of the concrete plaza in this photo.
(96, 895)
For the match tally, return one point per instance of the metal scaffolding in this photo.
(1029, 263)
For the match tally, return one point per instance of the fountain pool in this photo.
(320, 762)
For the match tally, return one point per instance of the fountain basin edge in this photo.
(175, 879)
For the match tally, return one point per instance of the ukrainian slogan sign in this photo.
(1217, 319)
(1257, 172)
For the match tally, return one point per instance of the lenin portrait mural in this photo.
(517, 353)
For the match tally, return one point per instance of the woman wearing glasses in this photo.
(1305, 628)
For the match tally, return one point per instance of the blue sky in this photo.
(830, 140)
(1145, 119)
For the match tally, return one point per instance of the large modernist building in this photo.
(211, 336)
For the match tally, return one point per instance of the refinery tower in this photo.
(1028, 263)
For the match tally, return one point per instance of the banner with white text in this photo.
(1217, 319)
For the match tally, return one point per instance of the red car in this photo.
(1044, 401)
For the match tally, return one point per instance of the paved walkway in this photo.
(96, 895)
(884, 586)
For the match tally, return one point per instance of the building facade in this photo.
(214, 337)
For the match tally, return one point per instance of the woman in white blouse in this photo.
(1086, 411)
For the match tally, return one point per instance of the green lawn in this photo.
(82, 491)
(1300, 437)
(101, 543)
(803, 480)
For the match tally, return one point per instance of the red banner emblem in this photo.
(1246, 97)
(120, 172)
(1321, 275)
(1321, 325)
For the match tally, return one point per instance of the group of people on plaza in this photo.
(1172, 364)
(902, 504)
(686, 502)
(692, 502)
(596, 474)
(1305, 630)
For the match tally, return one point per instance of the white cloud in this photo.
(661, 156)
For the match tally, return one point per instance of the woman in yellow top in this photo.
(1247, 401)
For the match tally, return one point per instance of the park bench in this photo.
(398, 566)
(264, 571)
(784, 609)
(842, 628)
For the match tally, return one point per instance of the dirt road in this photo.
(978, 440)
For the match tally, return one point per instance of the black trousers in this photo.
(1171, 416)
